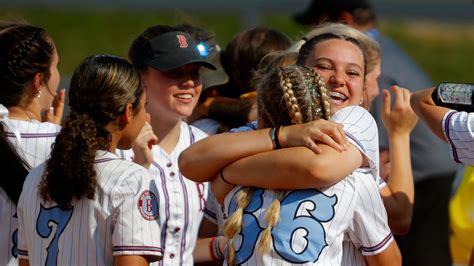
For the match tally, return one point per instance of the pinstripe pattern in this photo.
(98, 229)
(458, 128)
(180, 204)
(35, 147)
(359, 214)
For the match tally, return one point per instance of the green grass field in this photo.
(444, 51)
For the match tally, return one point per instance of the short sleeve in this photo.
(458, 128)
(136, 225)
(22, 243)
(369, 230)
(361, 130)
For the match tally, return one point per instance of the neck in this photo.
(26, 113)
(167, 131)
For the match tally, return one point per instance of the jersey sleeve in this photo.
(22, 243)
(136, 225)
(361, 130)
(369, 230)
(458, 128)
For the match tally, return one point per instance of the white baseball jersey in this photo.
(458, 127)
(34, 145)
(312, 222)
(121, 220)
(182, 201)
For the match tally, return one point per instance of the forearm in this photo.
(202, 160)
(398, 195)
(293, 168)
(209, 249)
(431, 114)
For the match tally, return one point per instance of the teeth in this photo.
(337, 95)
(183, 96)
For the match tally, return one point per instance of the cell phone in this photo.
(457, 96)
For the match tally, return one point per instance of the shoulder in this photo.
(356, 120)
(192, 131)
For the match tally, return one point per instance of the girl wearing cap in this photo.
(30, 110)
(341, 62)
(169, 63)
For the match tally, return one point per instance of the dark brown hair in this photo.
(25, 50)
(242, 56)
(101, 87)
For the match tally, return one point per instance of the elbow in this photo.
(185, 165)
(319, 174)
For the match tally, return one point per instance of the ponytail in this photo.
(70, 173)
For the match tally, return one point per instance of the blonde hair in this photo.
(285, 95)
(370, 47)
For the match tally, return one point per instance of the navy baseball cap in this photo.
(172, 50)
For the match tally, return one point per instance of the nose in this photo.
(190, 82)
(337, 79)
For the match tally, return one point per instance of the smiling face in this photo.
(341, 65)
(172, 94)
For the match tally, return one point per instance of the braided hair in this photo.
(285, 96)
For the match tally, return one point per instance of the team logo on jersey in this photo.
(148, 205)
(183, 43)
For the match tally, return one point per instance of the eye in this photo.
(353, 73)
(323, 67)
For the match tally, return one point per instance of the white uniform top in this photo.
(182, 201)
(458, 127)
(313, 222)
(121, 220)
(34, 146)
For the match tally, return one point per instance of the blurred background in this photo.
(439, 35)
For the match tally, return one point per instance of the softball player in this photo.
(29, 79)
(170, 63)
(304, 233)
(105, 209)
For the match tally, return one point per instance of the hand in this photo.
(143, 144)
(311, 133)
(55, 112)
(400, 119)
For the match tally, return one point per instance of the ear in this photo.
(347, 18)
(38, 81)
(127, 116)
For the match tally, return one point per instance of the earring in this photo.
(37, 94)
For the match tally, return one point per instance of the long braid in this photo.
(289, 97)
(233, 225)
(304, 97)
(272, 217)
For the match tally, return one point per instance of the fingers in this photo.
(386, 102)
(55, 112)
(58, 104)
(147, 118)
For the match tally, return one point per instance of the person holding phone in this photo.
(456, 127)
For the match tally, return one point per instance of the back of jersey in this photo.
(120, 220)
(312, 223)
